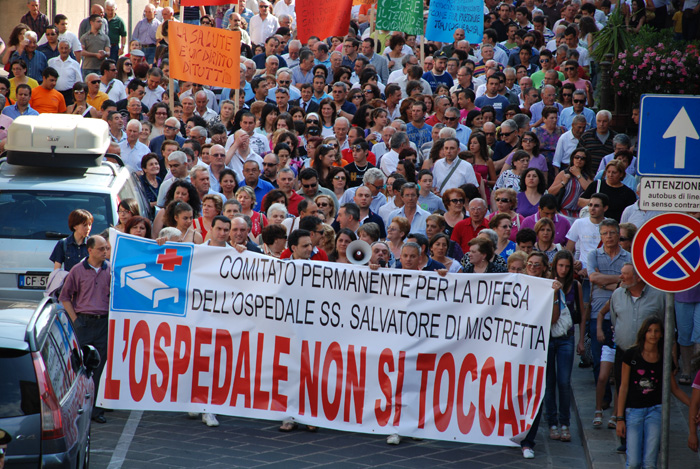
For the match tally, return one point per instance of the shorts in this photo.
(607, 354)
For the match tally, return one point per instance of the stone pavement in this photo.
(600, 444)
(172, 440)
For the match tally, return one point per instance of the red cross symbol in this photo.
(169, 260)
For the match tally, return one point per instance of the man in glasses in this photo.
(284, 80)
(270, 166)
(469, 228)
(216, 165)
(95, 97)
(50, 47)
(109, 83)
(509, 138)
(547, 63)
(571, 70)
(310, 187)
(441, 105)
(452, 121)
(359, 165)
(578, 109)
(171, 131)
(61, 23)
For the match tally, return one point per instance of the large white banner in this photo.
(206, 329)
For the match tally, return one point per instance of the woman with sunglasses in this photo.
(572, 182)
(530, 144)
(357, 97)
(454, 200)
(125, 71)
(566, 96)
(337, 180)
(80, 105)
(157, 115)
(506, 201)
(326, 208)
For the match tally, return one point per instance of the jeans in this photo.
(688, 320)
(560, 360)
(643, 436)
(529, 440)
(114, 52)
(150, 53)
(597, 347)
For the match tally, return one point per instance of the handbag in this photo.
(562, 326)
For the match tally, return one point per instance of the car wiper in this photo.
(55, 235)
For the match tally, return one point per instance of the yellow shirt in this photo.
(13, 87)
(97, 101)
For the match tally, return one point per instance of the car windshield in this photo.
(19, 393)
(44, 214)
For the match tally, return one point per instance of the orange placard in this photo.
(322, 18)
(210, 56)
(364, 2)
(206, 3)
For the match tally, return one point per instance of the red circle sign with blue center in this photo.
(666, 252)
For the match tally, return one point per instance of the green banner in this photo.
(400, 15)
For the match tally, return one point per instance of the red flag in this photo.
(322, 18)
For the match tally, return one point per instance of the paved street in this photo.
(155, 440)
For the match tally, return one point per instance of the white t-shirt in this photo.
(586, 235)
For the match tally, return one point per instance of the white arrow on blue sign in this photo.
(669, 143)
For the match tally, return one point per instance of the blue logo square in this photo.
(151, 279)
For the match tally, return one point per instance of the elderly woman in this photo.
(396, 233)
(480, 251)
(246, 197)
(619, 194)
(499, 264)
(501, 223)
(516, 262)
(454, 200)
(274, 240)
(510, 177)
(212, 205)
(506, 201)
(276, 214)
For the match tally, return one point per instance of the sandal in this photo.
(311, 428)
(685, 379)
(554, 433)
(565, 434)
(612, 423)
(598, 419)
(288, 426)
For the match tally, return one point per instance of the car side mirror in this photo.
(91, 358)
(76, 360)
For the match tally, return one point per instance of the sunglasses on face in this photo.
(94, 82)
(339, 178)
(579, 101)
(528, 140)
(457, 201)
(323, 204)
(451, 119)
(507, 134)
(309, 186)
(505, 201)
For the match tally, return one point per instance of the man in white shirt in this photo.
(200, 107)
(399, 141)
(262, 25)
(286, 7)
(584, 235)
(153, 92)
(131, 150)
(568, 142)
(450, 171)
(258, 142)
(109, 83)
(68, 70)
(240, 152)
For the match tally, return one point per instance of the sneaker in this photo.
(622, 449)
(210, 420)
(394, 439)
(193, 415)
(528, 453)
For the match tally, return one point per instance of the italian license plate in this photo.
(33, 281)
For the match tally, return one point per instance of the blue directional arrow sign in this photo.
(669, 136)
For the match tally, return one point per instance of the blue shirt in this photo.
(262, 188)
(13, 112)
(463, 133)
(35, 66)
(419, 136)
(69, 253)
(567, 116)
(434, 80)
(499, 103)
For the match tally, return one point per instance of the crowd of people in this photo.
(484, 157)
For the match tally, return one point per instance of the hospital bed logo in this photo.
(148, 278)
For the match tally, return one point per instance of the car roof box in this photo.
(57, 141)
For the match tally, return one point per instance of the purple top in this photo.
(539, 162)
(88, 289)
(689, 296)
(561, 225)
(525, 208)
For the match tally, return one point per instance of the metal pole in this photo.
(130, 29)
(669, 325)
(237, 91)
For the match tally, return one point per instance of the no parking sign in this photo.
(666, 252)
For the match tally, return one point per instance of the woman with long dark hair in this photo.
(572, 182)
(640, 395)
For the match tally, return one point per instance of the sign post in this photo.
(666, 254)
